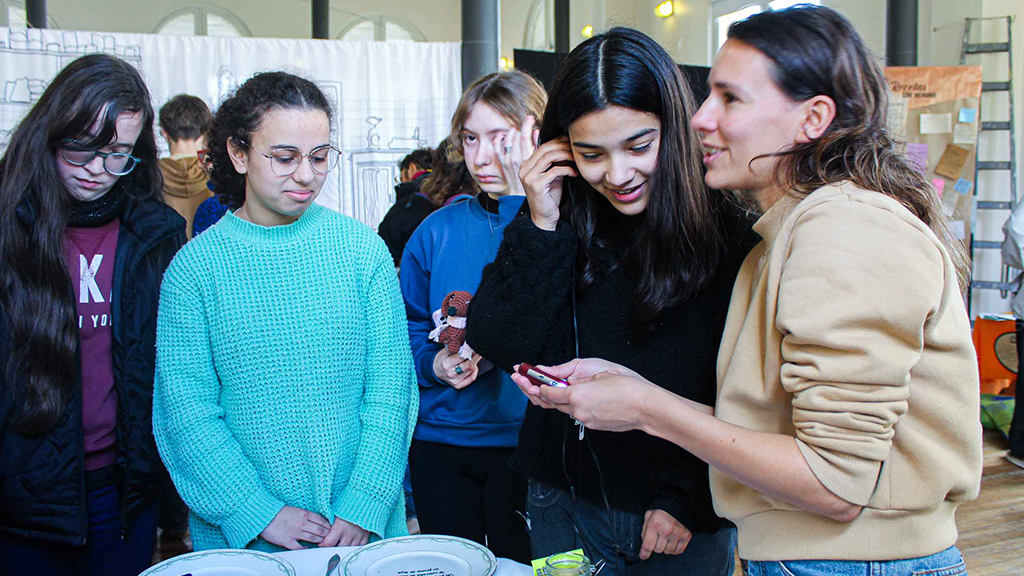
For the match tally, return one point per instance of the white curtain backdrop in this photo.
(391, 97)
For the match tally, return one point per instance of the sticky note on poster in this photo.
(939, 184)
(963, 186)
(918, 155)
(951, 164)
(936, 123)
(967, 115)
(964, 134)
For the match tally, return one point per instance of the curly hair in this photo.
(447, 179)
(822, 54)
(241, 115)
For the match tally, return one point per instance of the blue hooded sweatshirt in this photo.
(448, 252)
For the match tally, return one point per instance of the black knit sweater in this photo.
(523, 312)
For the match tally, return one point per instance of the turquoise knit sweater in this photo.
(284, 376)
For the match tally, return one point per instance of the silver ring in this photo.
(508, 149)
(458, 370)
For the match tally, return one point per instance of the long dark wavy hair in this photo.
(674, 251)
(35, 289)
(447, 179)
(821, 53)
(241, 115)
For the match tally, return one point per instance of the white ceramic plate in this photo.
(421, 555)
(223, 563)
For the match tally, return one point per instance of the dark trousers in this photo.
(1017, 425)
(104, 553)
(560, 524)
(471, 493)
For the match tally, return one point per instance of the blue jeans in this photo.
(104, 553)
(559, 524)
(949, 562)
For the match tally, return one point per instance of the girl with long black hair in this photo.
(622, 253)
(84, 242)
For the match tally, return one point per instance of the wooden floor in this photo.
(991, 527)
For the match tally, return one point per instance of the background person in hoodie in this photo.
(184, 120)
(469, 416)
(411, 207)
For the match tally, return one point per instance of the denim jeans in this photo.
(559, 524)
(949, 562)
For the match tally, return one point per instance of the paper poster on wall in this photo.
(951, 164)
(936, 123)
(937, 107)
(964, 134)
(918, 154)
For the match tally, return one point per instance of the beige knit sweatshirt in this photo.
(847, 331)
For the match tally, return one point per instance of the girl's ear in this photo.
(239, 156)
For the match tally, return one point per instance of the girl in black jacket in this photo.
(84, 242)
(623, 254)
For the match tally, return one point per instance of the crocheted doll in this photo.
(450, 323)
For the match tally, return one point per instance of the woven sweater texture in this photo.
(284, 376)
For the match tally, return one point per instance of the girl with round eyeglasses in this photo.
(84, 241)
(285, 394)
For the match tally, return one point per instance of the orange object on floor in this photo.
(996, 344)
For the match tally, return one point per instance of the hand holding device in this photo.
(541, 378)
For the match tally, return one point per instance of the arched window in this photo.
(14, 15)
(380, 28)
(540, 26)
(202, 21)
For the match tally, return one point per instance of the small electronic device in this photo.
(540, 378)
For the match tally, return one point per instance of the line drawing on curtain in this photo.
(389, 98)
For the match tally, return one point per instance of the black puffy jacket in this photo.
(42, 490)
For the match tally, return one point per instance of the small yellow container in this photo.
(566, 564)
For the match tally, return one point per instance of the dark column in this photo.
(321, 19)
(562, 26)
(35, 12)
(901, 33)
(481, 38)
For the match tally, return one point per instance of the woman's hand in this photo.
(602, 395)
(541, 175)
(455, 370)
(292, 525)
(573, 371)
(512, 149)
(344, 533)
(662, 534)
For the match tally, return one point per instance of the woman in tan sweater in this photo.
(846, 431)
